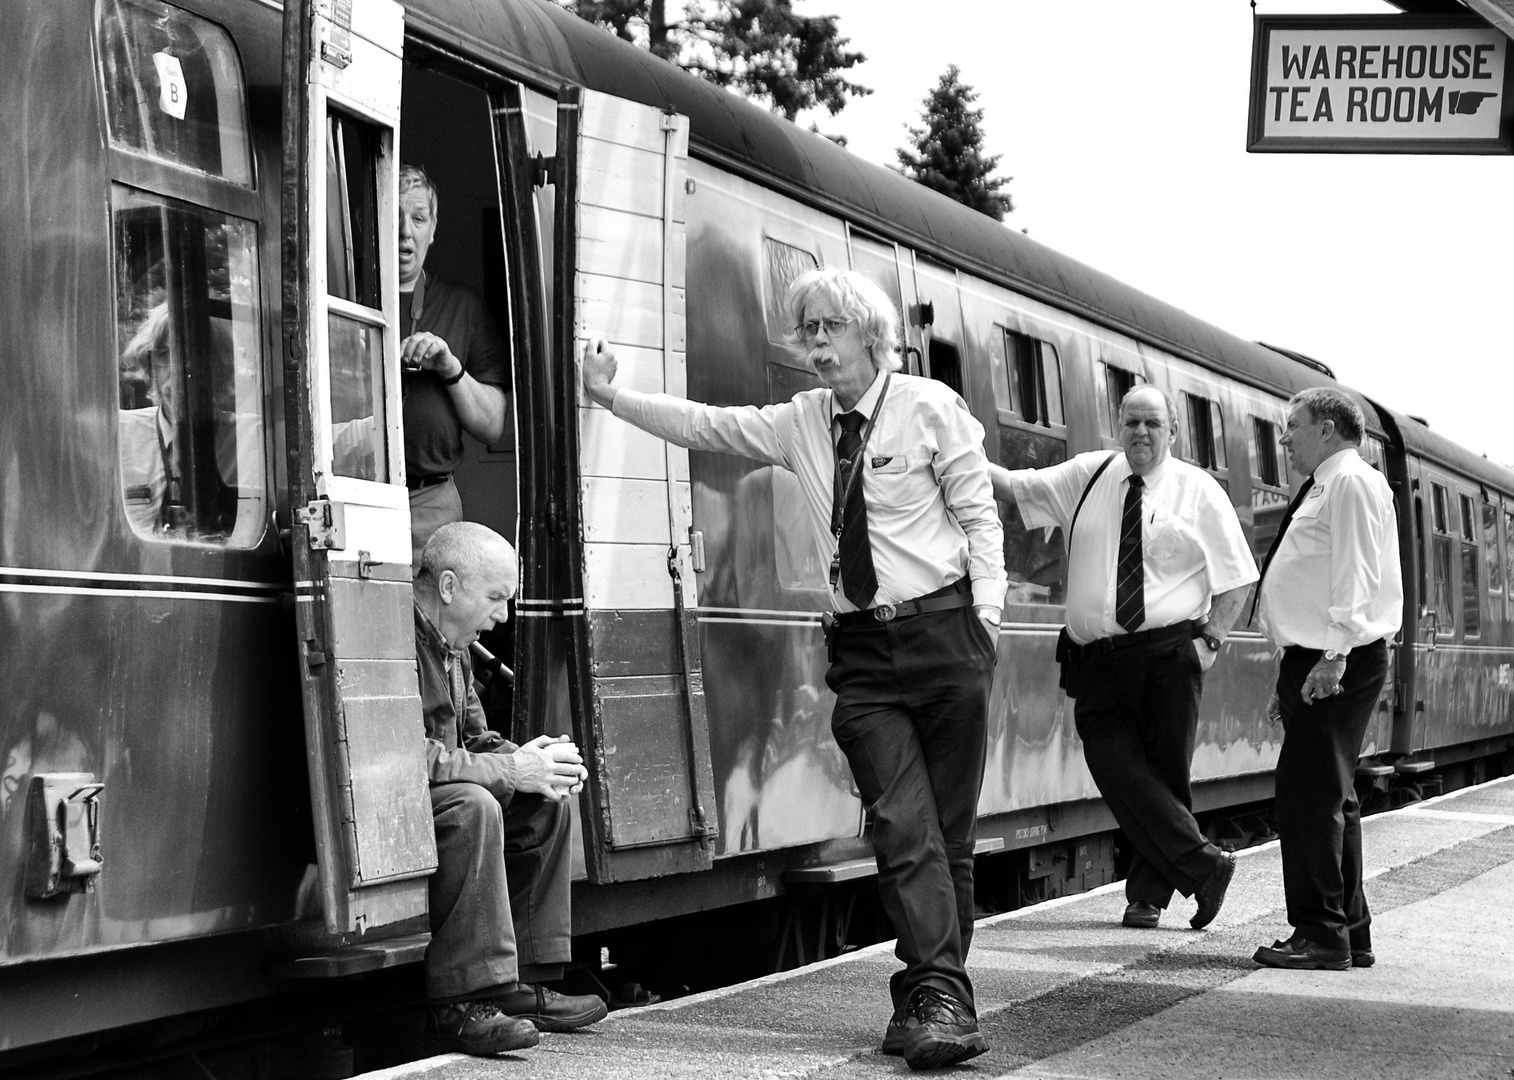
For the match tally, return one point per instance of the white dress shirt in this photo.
(931, 515)
(1335, 581)
(1192, 545)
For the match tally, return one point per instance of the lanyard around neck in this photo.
(855, 472)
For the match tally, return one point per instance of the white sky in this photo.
(1123, 125)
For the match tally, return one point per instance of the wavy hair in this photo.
(854, 296)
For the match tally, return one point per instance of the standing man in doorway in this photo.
(1331, 596)
(455, 367)
(896, 488)
(1158, 570)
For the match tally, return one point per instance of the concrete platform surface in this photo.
(1065, 992)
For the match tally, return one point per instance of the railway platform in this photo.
(1065, 992)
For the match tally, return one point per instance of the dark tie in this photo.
(858, 580)
(1129, 573)
(1277, 539)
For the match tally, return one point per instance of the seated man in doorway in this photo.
(499, 897)
(455, 366)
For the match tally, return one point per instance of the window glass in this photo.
(190, 429)
(1117, 383)
(1375, 452)
(782, 263)
(1471, 595)
(1445, 573)
(1035, 379)
(1264, 455)
(1490, 554)
(1217, 434)
(1468, 526)
(1508, 550)
(1442, 516)
(173, 88)
(352, 262)
(1035, 559)
(355, 338)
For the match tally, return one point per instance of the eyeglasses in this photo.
(834, 325)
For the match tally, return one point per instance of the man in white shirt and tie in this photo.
(896, 487)
(1331, 595)
(1158, 571)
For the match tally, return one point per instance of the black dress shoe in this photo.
(1141, 915)
(1301, 954)
(551, 1011)
(1362, 958)
(945, 1030)
(477, 1027)
(1211, 894)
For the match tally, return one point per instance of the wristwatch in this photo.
(1331, 656)
(1213, 642)
(987, 614)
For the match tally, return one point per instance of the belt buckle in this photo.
(884, 612)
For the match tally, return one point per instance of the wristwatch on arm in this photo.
(1201, 633)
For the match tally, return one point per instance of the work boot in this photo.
(477, 1027)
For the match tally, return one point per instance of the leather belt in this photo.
(956, 595)
(415, 483)
(1182, 629)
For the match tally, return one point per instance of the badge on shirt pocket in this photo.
(888, 464)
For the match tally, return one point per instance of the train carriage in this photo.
(204, 570)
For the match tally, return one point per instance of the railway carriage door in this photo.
(635, 681)
(350, 531)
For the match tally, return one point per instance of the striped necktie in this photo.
(858, 579)
(1130, 574)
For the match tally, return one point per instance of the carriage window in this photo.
(1508, 550)
(1117, 383)
(355, 329)
(1264, 455)
(1375, 452)
(1035, 379)
(173, 88)
(190, 373)
(1445, 568)
(782, 263)
(1204, 438)
(1490, 555)
(1471, 594)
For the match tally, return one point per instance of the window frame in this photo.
(149, 177)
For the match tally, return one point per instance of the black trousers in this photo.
(1137, 713)
(1319, 819)
(912, 718)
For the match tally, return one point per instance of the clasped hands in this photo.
(551, 767)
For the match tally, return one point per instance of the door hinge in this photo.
(696, 550)
(326, 522)
(543, 170)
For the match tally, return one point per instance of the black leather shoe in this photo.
(1141, 915)
(1211, 894)
(551, 1011)
(477, 1027)
(1362, 958)
(945, 1031)
(896, 1035)
(1301, 954)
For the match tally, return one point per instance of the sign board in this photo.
(1379, 84)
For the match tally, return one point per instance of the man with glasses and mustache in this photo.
(897, 491)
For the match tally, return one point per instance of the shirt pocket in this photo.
(1307, 530)
(1171, 543)
(899, 476)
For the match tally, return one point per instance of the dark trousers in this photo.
(1319, 819)
(912, 718)
(1137, 713)
(499, 897)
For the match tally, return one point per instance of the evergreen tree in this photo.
(947, 155)
(759, 48)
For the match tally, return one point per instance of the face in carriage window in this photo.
(190, 431)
